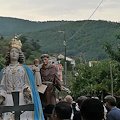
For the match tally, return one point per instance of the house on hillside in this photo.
(53, 60)
(60, 56)
(91, 63)
(72, 61)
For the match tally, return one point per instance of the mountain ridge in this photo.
(88, 42)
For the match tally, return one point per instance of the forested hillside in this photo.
(11, 26)
(88, 42)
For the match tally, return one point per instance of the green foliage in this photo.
(10, 26)
(93, 80)
(1, 37)
(114, 53)
(89, 41)
(3, 51)
(2, 61)
(31, 49)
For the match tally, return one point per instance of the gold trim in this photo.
(32, 115)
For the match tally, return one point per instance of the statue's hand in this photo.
(26, 91)
(65, 89)
(2, 100)
(27, 95)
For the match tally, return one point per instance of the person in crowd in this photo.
(70, 101)
(60, 98)
(48, 111)
(17, 77)
(92, 109)
(62, 111)
(77, 114)
(105, 110)
(113, 111)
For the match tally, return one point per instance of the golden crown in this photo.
(15, 43)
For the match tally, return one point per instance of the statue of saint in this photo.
(50, 78)
(18, 77)
(36, 71)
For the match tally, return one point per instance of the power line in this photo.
(86, 21)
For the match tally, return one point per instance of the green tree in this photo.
(2, 61)
(96, 79)
(113, 53)
(31, 49)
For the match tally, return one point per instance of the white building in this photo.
(72, 61)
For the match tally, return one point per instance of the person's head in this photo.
(110, 101)
(92, 109)
(45, 59)
(80, 100)
(62, 111)
(48, 110)
(14, 53)
(36, 62)
(60, 98)
(68, 99)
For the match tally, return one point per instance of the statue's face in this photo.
(45, 60)
(14, 54)
(36, 62)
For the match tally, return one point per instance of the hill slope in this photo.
(88, 41)
(11, 26)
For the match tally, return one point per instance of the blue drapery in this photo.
(38, 113)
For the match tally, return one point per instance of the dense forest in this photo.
(11, 26)
(88, 43)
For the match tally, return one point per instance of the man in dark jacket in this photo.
(113, 111)
(92, 109)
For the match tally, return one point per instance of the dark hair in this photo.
(21, 59)
(92, 109)
(80, 100)
(63, 110)
(48, 109)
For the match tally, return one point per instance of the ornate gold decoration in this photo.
(15, 43)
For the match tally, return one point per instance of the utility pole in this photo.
(111, 76)
(65, 62)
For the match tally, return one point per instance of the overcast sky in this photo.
(43, 10)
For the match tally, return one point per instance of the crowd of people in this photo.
(84, 108)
